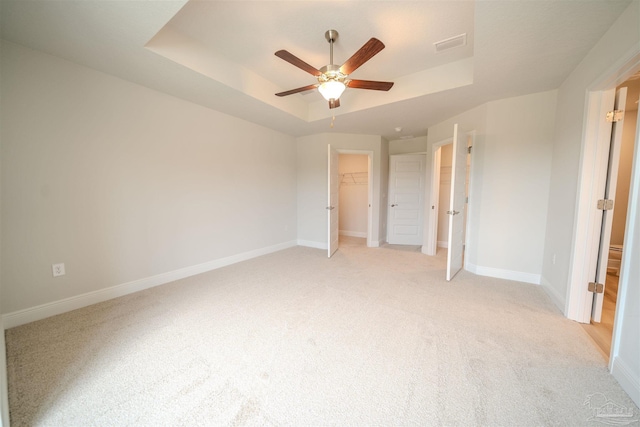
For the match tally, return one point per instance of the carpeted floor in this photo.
(373, 336)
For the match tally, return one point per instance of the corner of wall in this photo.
(552, 292)
(623, 374)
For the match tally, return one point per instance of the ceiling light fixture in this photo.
(331, 89)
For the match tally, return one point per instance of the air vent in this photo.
(451, 42)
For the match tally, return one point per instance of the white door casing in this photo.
(609, 191)
(332, 202)
(588, 220)
(406, 199)
(456, 205)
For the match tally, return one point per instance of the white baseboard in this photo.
(443, 244)
(353, 233)
(321, 245)
(621, 372)
(312, 244)
(43, 311)
(557, 299)
(498, 273)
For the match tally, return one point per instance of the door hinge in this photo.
(597, 288)
(469, 149)
(615, 116)
(605, 204)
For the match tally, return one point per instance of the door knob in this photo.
(393, 206)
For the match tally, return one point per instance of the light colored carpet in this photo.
(373, 336)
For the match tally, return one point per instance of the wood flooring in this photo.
(602, 332)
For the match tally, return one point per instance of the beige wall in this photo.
(354, 193)
(408, 146)
(123, 183)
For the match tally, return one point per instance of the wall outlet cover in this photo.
(58, 269)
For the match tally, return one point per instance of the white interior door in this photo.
(456, 204)
(406, 199)
(332, 202)
(607, 215)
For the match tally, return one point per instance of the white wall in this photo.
(354, 194)
(312, 183)
(625, 363)
(123, 183)
(408, 146)
(613, 50)
(617, 47)
(514, 186)
(509, 183)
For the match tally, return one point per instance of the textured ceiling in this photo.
(220, 53)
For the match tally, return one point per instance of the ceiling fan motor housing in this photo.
(331, 72)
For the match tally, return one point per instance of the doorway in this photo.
(333, 196)
(601, 325)
(441, 165)
(354, 198)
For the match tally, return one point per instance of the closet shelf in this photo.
(354, 178)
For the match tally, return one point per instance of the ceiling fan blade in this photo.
(294, 60)
(366, 52)
(369, 84)
(297, 90)
(334, 103)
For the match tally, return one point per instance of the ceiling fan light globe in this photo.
(331, 89)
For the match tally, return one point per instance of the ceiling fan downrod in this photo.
(331, 72)
(331, 36)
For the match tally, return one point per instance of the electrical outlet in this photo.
(58, 269)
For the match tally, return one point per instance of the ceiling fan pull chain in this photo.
(333, 119)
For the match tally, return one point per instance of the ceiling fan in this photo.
(333, 79)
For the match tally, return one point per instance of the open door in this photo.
(608, 205)
(456, 204)
(332, 203)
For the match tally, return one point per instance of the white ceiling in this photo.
(220, 54)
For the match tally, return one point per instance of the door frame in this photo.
(369, 155)
(585, 239)
(578, 299)
(430, 245)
